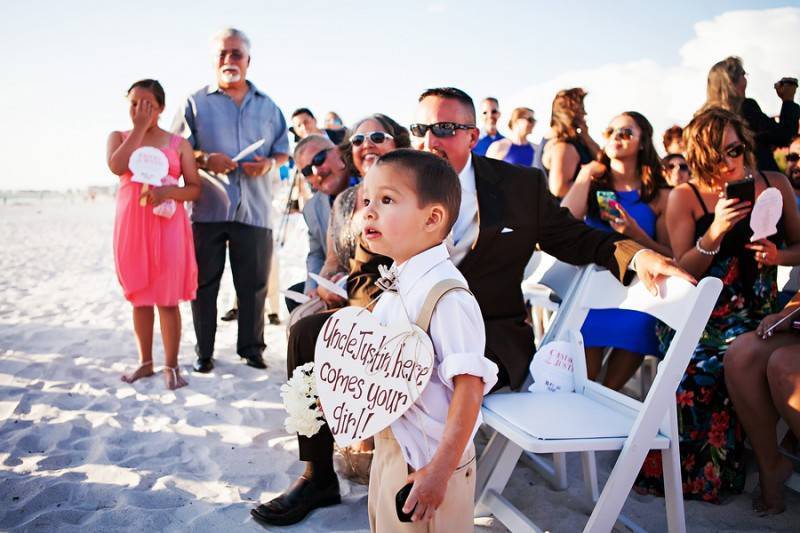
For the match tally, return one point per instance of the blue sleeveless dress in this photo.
(520, 154)
(629, 330)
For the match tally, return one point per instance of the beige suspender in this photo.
(434, 295)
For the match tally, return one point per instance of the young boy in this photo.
(412, 199)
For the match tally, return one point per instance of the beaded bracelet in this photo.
(703, 250)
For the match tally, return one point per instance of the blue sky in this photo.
(71, 62)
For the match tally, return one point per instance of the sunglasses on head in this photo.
(626, 134)
(682, 166)
(316, 161)
(792, 157)
(375, 137)
(737, 150)
(440, 129)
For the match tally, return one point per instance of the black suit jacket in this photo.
(518, 199)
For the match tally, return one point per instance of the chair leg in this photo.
(590, 475)
(498, 473)
(673, 487)
(488, 459)
(554, 472)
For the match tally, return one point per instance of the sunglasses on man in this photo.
(375, 137)
(439, 129)
(625, 134)
(316, 161)
(792, 157)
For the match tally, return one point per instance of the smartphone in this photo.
(400, 501)
(604, 200)
(743, 190)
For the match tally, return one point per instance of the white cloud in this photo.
(766, 40)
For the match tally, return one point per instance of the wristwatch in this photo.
(204, 160)
(796, 325)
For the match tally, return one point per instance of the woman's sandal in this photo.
(177, 381)
(139, 372)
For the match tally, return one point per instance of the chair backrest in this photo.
(680, 305)
(556, 275)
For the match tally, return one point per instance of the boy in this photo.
(412, 200)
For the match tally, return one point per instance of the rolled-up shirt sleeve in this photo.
(459, 339)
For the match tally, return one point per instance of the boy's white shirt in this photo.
(459, 340)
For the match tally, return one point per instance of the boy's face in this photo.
(394, 223)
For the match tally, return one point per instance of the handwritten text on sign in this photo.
(368, 375)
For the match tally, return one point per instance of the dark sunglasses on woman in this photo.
(375, 137)
(736, 150)
(316, 161)
(683, 166)
(439, 129)
(626, 134)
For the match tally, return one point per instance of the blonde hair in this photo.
(703, 140)
(517, 113)
(721, 87)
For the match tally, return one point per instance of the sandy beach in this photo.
(82, 451)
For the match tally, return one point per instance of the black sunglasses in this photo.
(440, 129)
(626, 134)
(736, 150)
(683, 166)
(375, 137)
(316, 161)
(792, 157)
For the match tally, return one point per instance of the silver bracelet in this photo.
(703, 250)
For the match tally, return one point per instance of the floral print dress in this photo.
(711, 437)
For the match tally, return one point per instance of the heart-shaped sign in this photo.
(368, 375)
(148, 165)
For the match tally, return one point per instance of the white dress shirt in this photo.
(469, 201)
(459, 340)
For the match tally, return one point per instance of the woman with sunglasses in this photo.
(623, 192)
(516, 149)
(568, 146)
(676, 169)
(710, 236)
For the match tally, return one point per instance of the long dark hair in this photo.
(154, 87)
(648, 166)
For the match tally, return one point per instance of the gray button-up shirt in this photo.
(212, 122)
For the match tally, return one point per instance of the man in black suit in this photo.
(506, 210)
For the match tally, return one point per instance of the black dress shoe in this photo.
(232, 314)
(294, 505)
(203, 365)
(256, 361)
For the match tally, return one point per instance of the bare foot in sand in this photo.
(145, 370)
(173, 378)
(771, 481)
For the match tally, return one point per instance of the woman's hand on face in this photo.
(727, 213)
(765, 250)
(143, 114)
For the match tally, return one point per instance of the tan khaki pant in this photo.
(388, 475)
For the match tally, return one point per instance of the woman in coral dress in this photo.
(153, 247)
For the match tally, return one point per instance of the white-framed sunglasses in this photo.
(375, 137)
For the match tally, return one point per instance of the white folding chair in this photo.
(595, 418)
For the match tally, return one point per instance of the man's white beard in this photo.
(231, 77)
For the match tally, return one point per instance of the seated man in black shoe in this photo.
(517, 212)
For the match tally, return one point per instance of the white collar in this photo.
(413, 269)
(467, 176)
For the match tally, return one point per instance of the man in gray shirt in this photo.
(233, 211)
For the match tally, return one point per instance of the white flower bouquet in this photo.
(301, 402)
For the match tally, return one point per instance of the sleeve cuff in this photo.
(474, 364)
(632, 264)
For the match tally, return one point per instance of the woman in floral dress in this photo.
(710, 236)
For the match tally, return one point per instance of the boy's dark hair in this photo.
(302, 110)
(453, 94)
(154, 87)
(435, 181)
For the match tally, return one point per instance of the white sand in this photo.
(80, 450)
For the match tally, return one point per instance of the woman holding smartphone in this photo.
(710, 236)
(624, 192)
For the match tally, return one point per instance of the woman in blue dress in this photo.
(633, 199)
(516, 149)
